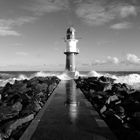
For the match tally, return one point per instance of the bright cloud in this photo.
(113, 60)
(7, 32)
(123, 25)
(132, 59)
(109, 60)
(129, 10)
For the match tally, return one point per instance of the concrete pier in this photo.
(68, 115)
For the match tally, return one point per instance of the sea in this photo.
(131, 78)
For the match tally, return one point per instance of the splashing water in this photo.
(64, 76)
(11, 78)
(93, 74)
(68, 76)
(130, 79)
(44, 74)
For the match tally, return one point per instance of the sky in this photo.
(32, 34)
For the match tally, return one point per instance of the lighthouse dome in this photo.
(70, 33)
(70, 30)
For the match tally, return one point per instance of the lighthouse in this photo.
(71, 50)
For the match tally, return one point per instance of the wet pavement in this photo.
(68, 116)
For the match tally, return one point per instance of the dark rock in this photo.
(135, 121)
(13, 125)
(117, 103)
(7, 112)
(136, 95)
(22, 100)
(107, 87)
(17, 106)
(105, 79)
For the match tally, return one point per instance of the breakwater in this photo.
(20, 102)
(118, 104)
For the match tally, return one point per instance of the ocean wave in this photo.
(5, 78)
(131, 79)
(68, 76)
(44, 74)
(6, 75)
(94, 74)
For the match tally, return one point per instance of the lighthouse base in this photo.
(72, 75)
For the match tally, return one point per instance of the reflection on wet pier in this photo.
(71, 100)
(68, 116)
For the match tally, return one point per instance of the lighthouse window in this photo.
(68, 36)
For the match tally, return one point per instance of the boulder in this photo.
(135, 122)
(19, 102)
(103, 109)
(107, 87)
(13, 125)
(32, 107)
(37, 106)
(8, 112)
(112, 98)
(105, 79)
(17, 106)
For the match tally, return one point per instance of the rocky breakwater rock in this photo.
(20, 102)
(118, 104)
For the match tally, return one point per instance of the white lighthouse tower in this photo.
(71, 51)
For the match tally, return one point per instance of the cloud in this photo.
(7, 25)
(101, 12)
(94, 14)
(99, 62)
(15, 22)
(123, 25)
(113, 60)
(132, 59)
(109, 60)
(8, 32)
(22, 53)
(39, 7)
(129, 10)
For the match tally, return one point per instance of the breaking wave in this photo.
(68, 76)
(43, 74)
(132, 79)
(5, 78)
(11, 77)
(64, 76)
(93, 74)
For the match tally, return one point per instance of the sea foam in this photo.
(130, 79)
